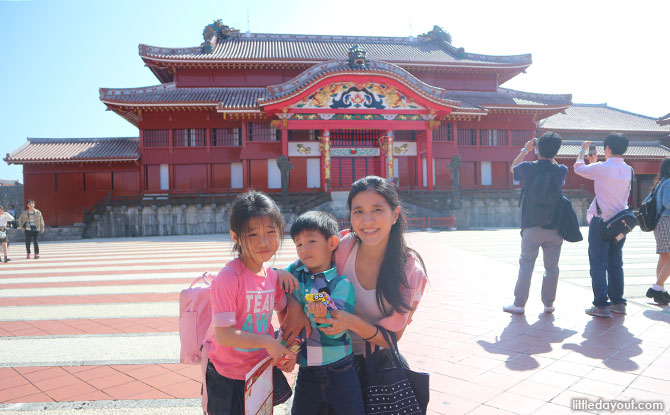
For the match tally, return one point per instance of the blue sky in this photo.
(56, 54)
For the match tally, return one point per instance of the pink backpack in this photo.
(195, 331)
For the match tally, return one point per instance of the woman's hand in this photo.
(318, 309)
(287, 281)
(339, 320)
(295, 321)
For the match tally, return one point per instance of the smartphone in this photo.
(592, 150)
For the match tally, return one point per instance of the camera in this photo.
(592, 150)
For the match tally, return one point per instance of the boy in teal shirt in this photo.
(327, 375)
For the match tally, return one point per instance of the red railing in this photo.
(413, 223)
(343, 224)
(446, 222)
(416, 223)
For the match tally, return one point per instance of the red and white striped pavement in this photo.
(97, 320)
(92, 326)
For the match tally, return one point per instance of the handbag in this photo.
(620, 224)
(393, 390)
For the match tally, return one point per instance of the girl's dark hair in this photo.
(664, 172)
(392, 271)
(253, 204)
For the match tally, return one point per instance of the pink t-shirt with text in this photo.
(243, 300)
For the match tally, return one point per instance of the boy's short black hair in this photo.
(549, 144)
(617, 142)
(315, 221)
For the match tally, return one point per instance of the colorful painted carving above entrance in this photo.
(348, 95)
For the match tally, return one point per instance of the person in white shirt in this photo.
(4, 218)
(612, 184)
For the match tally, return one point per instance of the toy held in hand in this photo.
(321, 297)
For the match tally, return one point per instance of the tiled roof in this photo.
(247, 98)
(373, 67)
(601, 117)
(313, 48)
(642, 149)
(61, 150)
(509, 98)
(664, 120)
(166, 94)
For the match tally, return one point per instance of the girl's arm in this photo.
(295, 320)
(233, 337)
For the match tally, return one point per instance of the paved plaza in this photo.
(92, 326)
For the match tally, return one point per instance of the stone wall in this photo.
(479, 210)
(12, 195)
(63, 233)
(482, 210)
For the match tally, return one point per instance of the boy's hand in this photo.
(275, 350)
(287, 281)
(318, 309)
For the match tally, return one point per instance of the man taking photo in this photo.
(541, 181)
(612, 180)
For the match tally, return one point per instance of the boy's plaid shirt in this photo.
(322, 349)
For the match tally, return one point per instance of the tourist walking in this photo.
(541, 181)
(5, 218)
(32, 222)
(662, 234)
(612, 180)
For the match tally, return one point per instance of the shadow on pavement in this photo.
(610, 341)
(520, 341)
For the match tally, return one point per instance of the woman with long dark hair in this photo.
(662, 234)
(387, 275)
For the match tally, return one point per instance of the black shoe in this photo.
(667, 295)
(660, 297)
(7, 259)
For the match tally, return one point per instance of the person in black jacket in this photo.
(534, 235)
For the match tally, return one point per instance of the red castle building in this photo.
(338, 107)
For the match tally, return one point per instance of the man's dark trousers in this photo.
(606, 262)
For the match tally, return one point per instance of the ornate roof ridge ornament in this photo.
(214, 32)
(438, 35)
(357, 59)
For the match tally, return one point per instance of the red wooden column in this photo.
(325, 160)
(429, 158)
(244, 132)
(284, 139)
(419, 168)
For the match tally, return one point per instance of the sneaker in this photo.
(7, 259)
(667, 295)
(660, 297)
(37, 256)
(549, 309)
(598, 311)
(618, 308)
(28, 256)
(513, 309)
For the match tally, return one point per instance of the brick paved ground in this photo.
(92, 325)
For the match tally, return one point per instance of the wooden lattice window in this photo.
(443, 133)
(263, 131)
(467, 137)
(493, 138)
(226, 137)
(189, 137)
(155, 138)
(520, 137)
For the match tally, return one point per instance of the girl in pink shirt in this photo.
(243, 296)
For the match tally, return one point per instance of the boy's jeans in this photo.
(335, 384)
